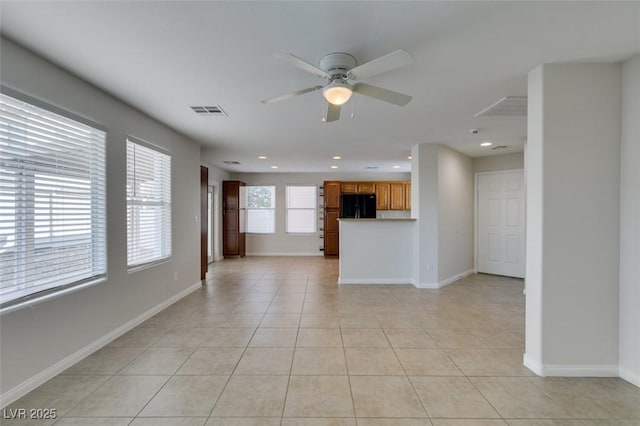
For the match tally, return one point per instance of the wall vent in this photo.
(232, 163)
(513, 106)
(371, 167)
(214, 110)
(498, 147)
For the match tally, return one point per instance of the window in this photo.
(148, 205)
(261, 209)
(301, 209)
(52, 202)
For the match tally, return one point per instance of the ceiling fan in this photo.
(344, 79)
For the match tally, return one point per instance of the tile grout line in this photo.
(426, 412)
(295, 345)
(244, 350)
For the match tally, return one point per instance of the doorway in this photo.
(500, 223)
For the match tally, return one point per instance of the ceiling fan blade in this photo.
(302, 64)
(333, 112)
(382, 94)
(290, 95)
(382, 64)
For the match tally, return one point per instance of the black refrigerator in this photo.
(358, 206)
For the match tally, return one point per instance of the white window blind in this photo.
(148, 205)
(301, 209)
(52, 202)
(261, 212)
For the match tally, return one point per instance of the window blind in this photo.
(52, 201)
(261, 213)
(301, 209)
(148, 205)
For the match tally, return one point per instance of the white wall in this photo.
(281, 243)
(534, 214)
(578, 154)
(216, 176)
(442, 201)
(630, 224)
(455, 214)
(34, 339)
(424, 207)
(495, 163)
(376, 251)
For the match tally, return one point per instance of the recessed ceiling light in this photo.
(337, 157)
(486, 144)
(274, 167)
(261, 157)
(396, 167)
(334, 167)
(409, 158)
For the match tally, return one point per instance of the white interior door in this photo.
(501, 223)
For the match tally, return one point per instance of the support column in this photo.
(573, 209)
(424, 207)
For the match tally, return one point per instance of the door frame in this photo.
(475, 212)
(211, 234)
(204, 188)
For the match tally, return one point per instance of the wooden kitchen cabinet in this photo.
(233, 216)
(367, 188)
(332, 195)
(349, 187)
(397, 196)
(358, 187)
(331, 234)
(407, 196)
(382, 196)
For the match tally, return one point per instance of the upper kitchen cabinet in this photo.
(407, 196)
(331, 195)
(397, 196)
(366, 188)
(382, 196)
(358, 187)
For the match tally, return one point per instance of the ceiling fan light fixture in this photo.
(337, 92)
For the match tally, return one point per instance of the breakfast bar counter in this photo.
(376, 251)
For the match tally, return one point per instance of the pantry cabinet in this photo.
(233, 219)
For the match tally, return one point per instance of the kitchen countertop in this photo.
(376, 220)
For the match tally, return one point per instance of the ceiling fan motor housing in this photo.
(337, 64)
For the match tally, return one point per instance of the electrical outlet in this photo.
(175, 276)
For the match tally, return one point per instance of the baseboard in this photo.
(532, 365)
(450, 280)
(374, 280)
(571, 370)
(311, 253)
(580, 370)
(30, 384)
(629, 376)
(455, 278)
(431, 286)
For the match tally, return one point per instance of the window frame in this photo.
(55, 291)
(131, 268)
(287, 208)
(274, 208)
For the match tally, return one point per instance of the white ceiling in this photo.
(163, 57)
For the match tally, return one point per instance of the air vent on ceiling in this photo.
(507, 106)
(371, 167)
(232, 163)
(498, 147)
(215, 110)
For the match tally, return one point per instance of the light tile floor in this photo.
(275, 341)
